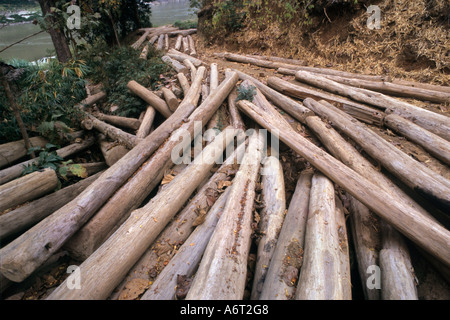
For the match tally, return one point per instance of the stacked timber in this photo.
(197, 207)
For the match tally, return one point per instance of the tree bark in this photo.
(287, 259)
(223, 269)
(344, 251)
(160, 43)
(25, 216)
(423, 180)
(188, 257)
(180, 56)
(359, 111)
(434, 122)
(192, 46)
(15, 171)
(175, 64)
(185, 45)
(111, 151)
(320, 277)
(107, 266)
(152, 99)
(271, 220)
(434, 144)
(26, 188)
(59, 40)
(191, 67)
(257, 62)
(179, 42)
(184, 83)
(236, 118)
(15, 150)
(170, 98)
(422, 230)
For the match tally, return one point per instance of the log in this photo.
(434, 122)
(144, 52)
(320, 277)
(434, 144)
(129, 140)
(236, 118)
(119, 121)
(153, 39)
(184, 83)
(146, 123)
(185, 45)
(294, 108)
(22, 218)
(257, 62)
(40, 245)
(192, 46)
(26, 188)
(287, 258)
(183, 33)
(175, 64)
(15, 171)
(422, 230)
(188, 257)
(359, 111)
(170, 98)
(271, 220)
(152, 99)
(105, 268)
(332, 72)
(92, 99)
(180, 56)
(344, 251)
(160, 43)
(347, 154)
(13, 151)
(191, 67)
(184, 222)
(178, 42)
(427, 86)
(141, 39)
(222, 271)
(111, 151)
(393, 89)
(397, 275)
(414, 174)
(214, 77)
(166, 42)
(131, 194)
(366, 241)
(278, 59)
(217, 119)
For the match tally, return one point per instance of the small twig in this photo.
(325, 11)
(12, 44)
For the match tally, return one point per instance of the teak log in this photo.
(321, 276)
(424, 231)
(434, 144)
(141, 39)
(132, 193)
(236, 118)
(278, 59)
(170, 98)
(130, 123)
(146, 123)
(397, 275)
(287, 258)
(13, 151)
(174, 64)
(192, 46)
(271, 221)
(184, 83)
(15, 171)
(129, 140)
(160, 43)
(294, 108)
(257, 62)
(144, 52)
(332, 72)
(152, 99)
(357, 110)
(111, 151)
(367, 241)
(26, 188)
(180, 56)
(107, 266)
(184, 222)
(395, 89)
(166, 41)
(344, 251)
(185, 45)
(414, 174)
(188, 257)
(434, 122)
(25, 216)
(223, 269)
(39, 246)
(191, 67)
(178, 42)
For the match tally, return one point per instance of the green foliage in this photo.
(48, 158)
(187, 24)
(246, 93)
(46, 96)
(115, 67)
(228, 15)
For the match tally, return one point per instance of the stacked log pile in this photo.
(177, 215)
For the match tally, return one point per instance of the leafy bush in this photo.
(115, 67)
(246, 93)
(187, 24)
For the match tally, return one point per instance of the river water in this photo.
(163, 12)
